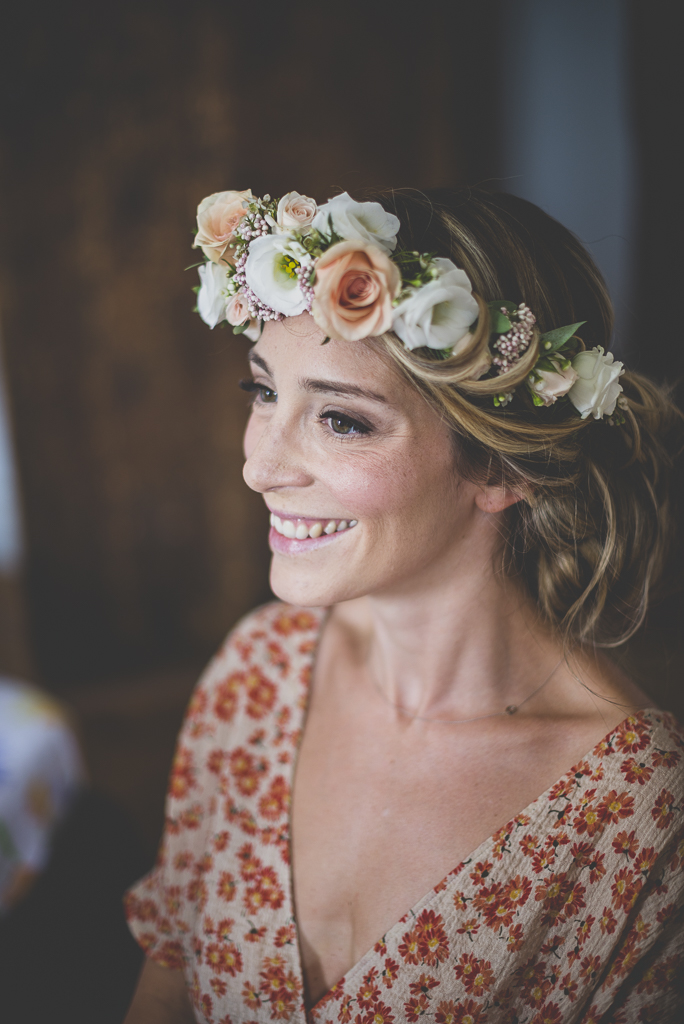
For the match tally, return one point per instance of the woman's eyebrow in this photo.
(338, 388)
(255, 358)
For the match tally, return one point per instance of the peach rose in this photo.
(237, 312)
(217, 217)
(353, 292)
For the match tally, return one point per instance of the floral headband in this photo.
(267, 259)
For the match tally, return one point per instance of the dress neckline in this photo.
(533, 811)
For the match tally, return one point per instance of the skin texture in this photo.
(422, 623)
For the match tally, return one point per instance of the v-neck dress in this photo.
(571, 912)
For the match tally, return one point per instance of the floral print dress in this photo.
(571, 912)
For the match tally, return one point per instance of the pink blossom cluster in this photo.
(513, 343)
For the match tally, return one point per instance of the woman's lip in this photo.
(291, 546)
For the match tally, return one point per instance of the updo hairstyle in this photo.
(590, 537)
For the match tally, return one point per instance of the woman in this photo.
(468, 499)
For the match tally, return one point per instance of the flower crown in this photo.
(267, 259)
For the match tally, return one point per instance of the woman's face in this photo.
(336, 437)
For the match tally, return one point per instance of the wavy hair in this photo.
(591, 533)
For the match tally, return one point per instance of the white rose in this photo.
(295, 211)
(553, 383)
(270, 275)
(596, 390)
(438, 314)
(363, 222)
(211, 298)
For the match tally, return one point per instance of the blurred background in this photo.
(129, 544)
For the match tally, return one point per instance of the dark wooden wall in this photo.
(143, 543)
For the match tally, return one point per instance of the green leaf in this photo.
(325, 341)
(241, 328)
(499, 321)
(553, 340)
(193, 265)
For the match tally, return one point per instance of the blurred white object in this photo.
(40, 773)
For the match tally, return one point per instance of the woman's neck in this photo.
(460, 650)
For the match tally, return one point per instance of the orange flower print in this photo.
(663, 811)
(285, 936)
(221, 840)
(192, 817)
(170, 954)
(625, 889)
(590, 968)
(215, 760)
(528, 844)
(226, 886)
(607, 921)
(625, 843)
(481, 871)
(182, 778)
(247, 771)
(631, 736)
(294, 622)
(182, 861)
(197, 893)
(415, 1008)
(227, 696)
(446, 1012)
(433, 944)
(636, 771)
(469, 928)
(468, 1012)
(645, 860)
(223, 958)
(277, 656)
(517, 891)
(390, 972)
(516, 937)
(261, 693)
(615, 806)
(424, 984)
(251, 865)
(476, 975)
(543, 859)
(380, 1014)
(588, 820)
(368, 994)
(251, 996)
(276, 801)
(255, 934)
(549, 1013)
(206, 1005)
(219, 987)
(224, 928)
(666, 758)
(408, 948)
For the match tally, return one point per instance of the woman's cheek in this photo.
(366, 487)
(253, 432)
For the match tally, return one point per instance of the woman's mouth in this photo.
(292, 534)
(299, 528)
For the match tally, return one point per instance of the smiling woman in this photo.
(415, 786)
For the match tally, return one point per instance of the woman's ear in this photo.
(495, 499)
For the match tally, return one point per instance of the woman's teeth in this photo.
(298, 530)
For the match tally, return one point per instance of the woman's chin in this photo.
(308, 588)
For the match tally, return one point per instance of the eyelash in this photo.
(359, 429)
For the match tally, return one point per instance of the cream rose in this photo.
(295, 211)
(596, 390)
(363, 222)
(217, 217)
(553, 384)
(439, 314)
(353, 292)
(211, 297)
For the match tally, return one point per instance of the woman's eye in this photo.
(260, 391)
(344, 425)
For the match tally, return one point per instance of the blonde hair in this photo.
(591, 532)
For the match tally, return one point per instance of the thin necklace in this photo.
(512, 709)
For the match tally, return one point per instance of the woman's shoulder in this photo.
(263, 664)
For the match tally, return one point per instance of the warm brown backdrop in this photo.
(143, 544)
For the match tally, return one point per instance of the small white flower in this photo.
(270, 274)
(551, 385)
(596, 390)
(295, 211)
(363, 222)
(438, 314)
(211, 298)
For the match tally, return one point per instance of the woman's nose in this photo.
(273, 457)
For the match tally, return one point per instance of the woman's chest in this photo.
(379, 820)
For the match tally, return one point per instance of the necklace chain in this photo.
(510, 710)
